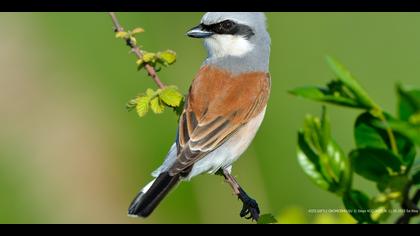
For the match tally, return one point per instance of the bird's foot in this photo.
(250, 209)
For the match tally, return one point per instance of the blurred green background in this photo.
(70, 153)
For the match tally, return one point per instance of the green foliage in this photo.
(409, 103)
(334, 93)
(167, 57)
(157, 106)
(321, 158)
(411, 131)
(142, 106)
(164, 58)
(409, 113)
(169, 96)
(267, 219)
(375, 164)
(156, 100)
(350, 83)
(358, 205)
(385, 146)
(129, 36)
(343, 91)
(370, 131)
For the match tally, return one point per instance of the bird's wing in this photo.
(218, 104)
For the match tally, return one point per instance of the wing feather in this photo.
(218, 105)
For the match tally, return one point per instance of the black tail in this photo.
(145, 202)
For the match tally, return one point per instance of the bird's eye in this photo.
(227, 25)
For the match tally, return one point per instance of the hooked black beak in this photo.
(199, 32)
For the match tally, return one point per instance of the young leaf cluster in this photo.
(154, 100)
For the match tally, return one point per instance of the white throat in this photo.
(227, 45)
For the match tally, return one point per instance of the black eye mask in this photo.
(229, 27)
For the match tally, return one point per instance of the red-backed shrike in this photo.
(223, 111)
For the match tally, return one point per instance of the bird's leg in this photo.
(250, 206)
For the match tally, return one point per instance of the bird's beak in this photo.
(199, 32)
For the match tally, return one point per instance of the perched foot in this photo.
(250, 209)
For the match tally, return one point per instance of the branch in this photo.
(136, 50)
(390, 133)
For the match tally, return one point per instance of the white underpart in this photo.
(169, 161)
(221, 45)
(222, 157)
(230, 151)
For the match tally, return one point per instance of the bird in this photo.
(223, 110)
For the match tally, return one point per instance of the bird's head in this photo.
(232, 33)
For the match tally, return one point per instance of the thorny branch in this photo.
(136, 50)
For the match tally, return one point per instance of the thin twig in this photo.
(390, 133)
(136, 50)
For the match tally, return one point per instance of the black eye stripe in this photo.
(224, 27)
(229, 27)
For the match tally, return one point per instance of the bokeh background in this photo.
(71, 153)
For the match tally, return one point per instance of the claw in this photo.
(245, 211)
(250, 209)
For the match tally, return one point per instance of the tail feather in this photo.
(151, 195)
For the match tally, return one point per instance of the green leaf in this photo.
(267, 219)
(409, 102)
(133, 40)
(178, 110)
(366, 135)
(381, 212)
(156, 105)
(345, 91)
(324, 95)
(375, 164)
(137, 30)
(415, 119)
(371, 132)
(142, 105)
(350, 82)
(149, 57)
(168, 57)
(321, 158)
(140, 64)
(393, 184)
(408, 130)
(131, 105)
(358, 205)
(121, 34)
(151, 93)
(325, 130)
(309, 162)
(381, 205)
(171, 96)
